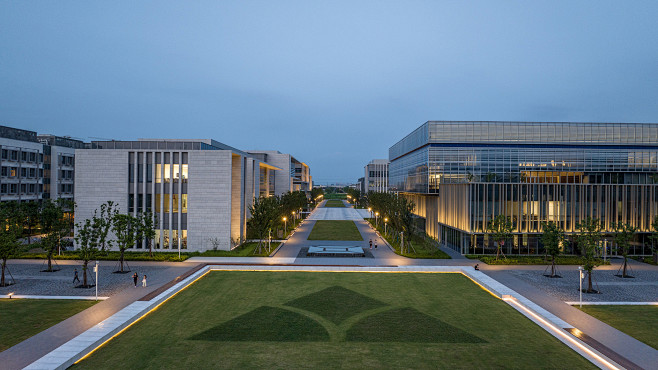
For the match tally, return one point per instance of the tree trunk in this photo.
(121, 259)
(589, 282)
(84, 273)
(2, 279)
(150, 249)
(29, 235)
(553, 267)
(623, 274)
(50, 262)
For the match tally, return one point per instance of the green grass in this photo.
(335, 230)
(640, 322)
(334, 204)
(648, 260)
(529, 260)
(23, 318)
(422, 248)
(335, 196)
(241, 319)
(245, 250)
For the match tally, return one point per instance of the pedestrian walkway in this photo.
(37, 346)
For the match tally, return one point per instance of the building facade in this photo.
(22, 158)
(198, 190)
(294, 175)
(376, 176)
(462, 174)
(59, 166)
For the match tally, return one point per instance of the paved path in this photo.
(630, 348)
(40, 344)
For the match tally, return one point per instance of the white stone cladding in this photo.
(101, 176)
(209, 199)
(283, 178)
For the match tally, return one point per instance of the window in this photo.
(131, 173)
(140, 201)
(149, 173)
(23, 173)
(184, 173)
(184, 203)
(165, 239)
(24, 156)
(174, 198)
(14, 155)
(140, 173)
(13, 172)
(33, 157)
(23, 188)
(131, 203)
(183, 239)
(5, 171)
(148, 203)
(158, 173)
(4, 153)
(33, 172)
(157, 203)
(166, 203)
(3, 188)
(33, 188)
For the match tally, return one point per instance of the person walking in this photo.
(370, 243)
(135, 279)
(375, 245)
(75, 276)
(144, 282)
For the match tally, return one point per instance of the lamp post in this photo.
(96, 271)
(377, 218)
(580, 275)
(285, 225)
(385, 222)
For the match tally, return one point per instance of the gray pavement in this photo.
(621, 343)
(123, 294)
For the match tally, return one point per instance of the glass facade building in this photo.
(462, 174)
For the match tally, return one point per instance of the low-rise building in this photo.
(198, 190)
(21, 178)
(376, 176)
(294, 175)
(59, 166)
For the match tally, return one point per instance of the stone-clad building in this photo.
(198, 190)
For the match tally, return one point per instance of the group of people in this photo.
(136, 277)
(371, 244)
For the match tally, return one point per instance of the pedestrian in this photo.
(370, 243)
(375, 245)
(144, 282)
(75, 276)
(135, 279)
(477, 267)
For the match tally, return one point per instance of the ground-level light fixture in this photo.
(10, 294)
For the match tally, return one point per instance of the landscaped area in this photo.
(23, 318)
(531, 260)
(335, 230)
(240, 319)
(640, 322)
(335, 204)
(422, 248)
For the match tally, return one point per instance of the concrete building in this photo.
(362, 185)
(59, 166)
(198, 190)
(462, 174)
(294, 175)
(22, 165)
(376, 176)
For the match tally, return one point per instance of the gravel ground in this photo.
(642, 288)
(30, 280)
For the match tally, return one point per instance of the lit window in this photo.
(184, 172)
(184, 203)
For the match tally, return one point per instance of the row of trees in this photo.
(589, 237)
(398, 210)
(268, 212)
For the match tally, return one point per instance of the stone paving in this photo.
(30, 280)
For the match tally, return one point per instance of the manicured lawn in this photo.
(640, 322)
(335, 204)
(422, 248)
(245, 250)
(530, 260)
(335, 230)
(23, 318)
(292, 320)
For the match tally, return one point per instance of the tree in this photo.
(589, 239)
(552, 238)
(126, 229)
(87, 240)
(654, 239)
(147, 225)
(106, 219)
(53, 226)
(264, 214)
(623, 234)
(11, 230)
(30, 212)
(500, 229)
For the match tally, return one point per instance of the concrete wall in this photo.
(209, 199)
(101, 176)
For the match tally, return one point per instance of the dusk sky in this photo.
(334, 83)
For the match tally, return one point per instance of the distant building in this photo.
(22, 165)
(294, 175)
(461, 175)
(198, 190)
(362, 184)
(376, 176)
(59, 166)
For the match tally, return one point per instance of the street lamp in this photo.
(370, 210)
(377, 218)
(580, 274)
(385, 221)
(285, 225)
